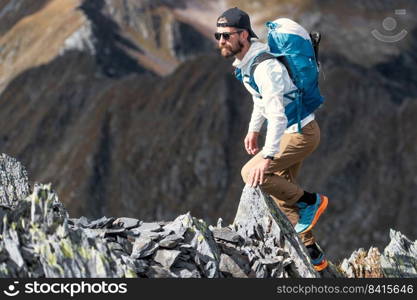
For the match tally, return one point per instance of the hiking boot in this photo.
(318, 259)
(309, 214)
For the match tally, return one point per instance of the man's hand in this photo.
(251, 143)
(256, 174)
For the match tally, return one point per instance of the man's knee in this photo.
(245, 173)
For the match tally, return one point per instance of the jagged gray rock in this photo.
(183, 269)
(13, 181)
(171, 241)
(259, 219)
(153, 227)
(38, 228)
(399, 260)
(206, 254)
(400, 257)
(230, 267)
(227, 234)
(38, 239)
(363, 264)
(144, 247)
(167, 257)
(127, 223)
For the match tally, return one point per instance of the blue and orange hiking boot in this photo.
(318, 259)
(309, 214)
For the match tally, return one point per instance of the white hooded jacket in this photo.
(273, 82)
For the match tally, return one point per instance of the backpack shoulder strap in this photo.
(265, 56)
(257, 60)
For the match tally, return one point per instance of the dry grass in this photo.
(37, 38)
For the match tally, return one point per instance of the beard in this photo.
(229, 51)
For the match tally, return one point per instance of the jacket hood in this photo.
(254, 50)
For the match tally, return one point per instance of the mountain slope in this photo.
(127, 110)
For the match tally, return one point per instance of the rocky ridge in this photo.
(38, 239)
(121, 105)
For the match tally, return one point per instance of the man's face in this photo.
(230, 42)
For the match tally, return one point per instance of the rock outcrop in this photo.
(399, 260)
(38, 239)
(400, 256)
(13, 182)
(276, 242)
(362, 264)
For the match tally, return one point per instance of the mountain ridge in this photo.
(156, 140)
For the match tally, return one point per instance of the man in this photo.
(276, 166)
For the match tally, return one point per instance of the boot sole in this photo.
(322, 266)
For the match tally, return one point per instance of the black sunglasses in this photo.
(226, 35)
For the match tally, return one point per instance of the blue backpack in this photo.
(297, 50)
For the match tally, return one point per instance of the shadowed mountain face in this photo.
(127, 110)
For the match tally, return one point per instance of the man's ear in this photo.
(244, 35)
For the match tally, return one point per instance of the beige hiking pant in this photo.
(280, 179)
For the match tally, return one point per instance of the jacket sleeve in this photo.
(257, 119)
(269, 78)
